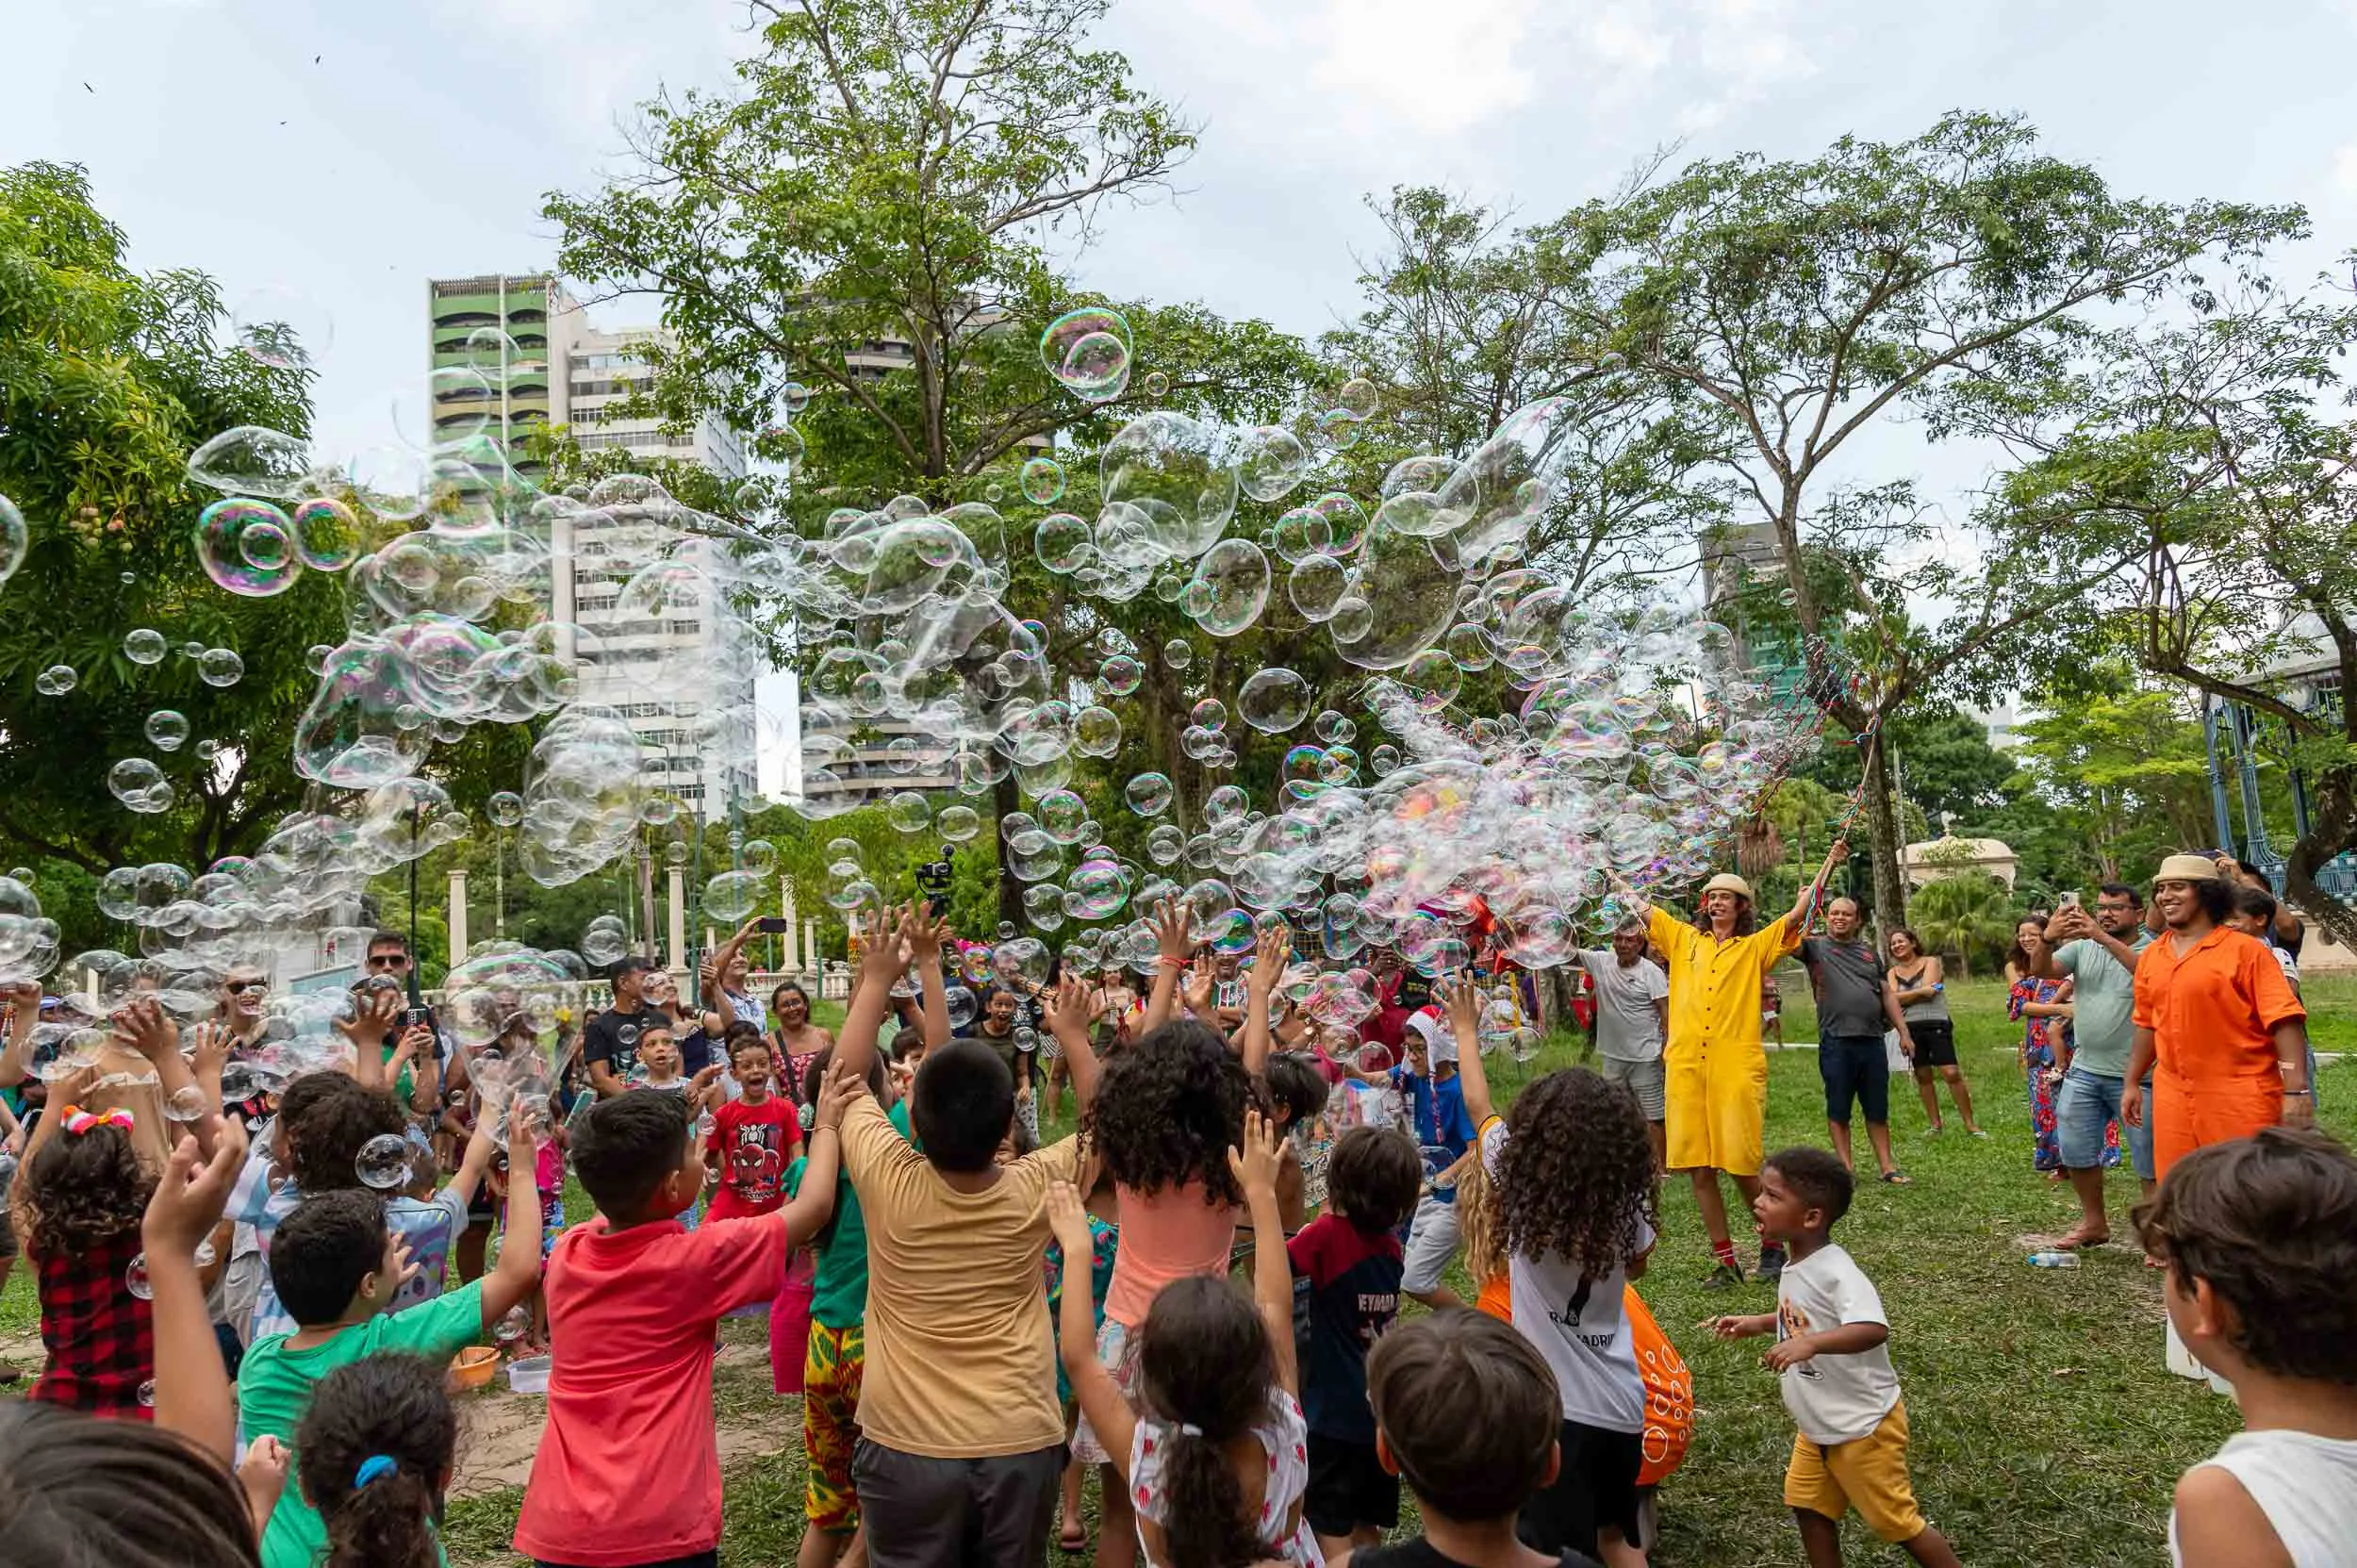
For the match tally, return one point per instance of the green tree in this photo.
(1962, 915)
(1807, 303)
(2213, 450)
(869, 219)
(108, 378)
(2129, 770)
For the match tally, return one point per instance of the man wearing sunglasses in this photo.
(419, 1086)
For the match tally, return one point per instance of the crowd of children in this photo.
(974, 1322)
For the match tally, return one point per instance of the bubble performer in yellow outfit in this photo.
(1714, 1065)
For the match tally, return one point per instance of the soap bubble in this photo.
(1062, 542)
(1043, 481)
(909, 812)
(1357, 397)
(1230, 588)
(134, 780)
(144, 646)
(1150, 794)
(958, 824)
(327, 535)
(1274, 701)
(1272, 462)
(1157, 384)
(281, 329)
(252, 460)
(383, 1161)
(506, 807)
(1177, 653)
(220, 666)
(14, 539)
(56, 680)
(248, 547)
(1088, 351)
(1121, 673)
(165, 730)
(1317, 586)
(732, 896)
(605, 941)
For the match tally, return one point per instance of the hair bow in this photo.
(78, 1121)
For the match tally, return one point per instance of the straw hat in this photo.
(2187, 868)
(1726, 882)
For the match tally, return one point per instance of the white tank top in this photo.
(2305, 1485)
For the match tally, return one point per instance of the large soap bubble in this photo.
(1088, 352)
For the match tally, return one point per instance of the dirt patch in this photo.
(499, 1431)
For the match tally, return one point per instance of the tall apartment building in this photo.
(680, 675)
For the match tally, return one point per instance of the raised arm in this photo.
(879, 967)
(1254, 1165)
(1170, 961)
(1068, 1021)
(23, 1020)
(517, 1274)
(812, 1204)
(193, 1394)
(1463, 1000)
(928, 932)
(1109, 1415)
(372, 1014)
(1270, 956)
(1794, 921)
(145, 1027)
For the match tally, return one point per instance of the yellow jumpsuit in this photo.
(1714, 1069)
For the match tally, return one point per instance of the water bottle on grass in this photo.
(2054, 1260)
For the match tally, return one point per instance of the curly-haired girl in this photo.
(1573, 1198)
(374, 1456)
(77, 1211)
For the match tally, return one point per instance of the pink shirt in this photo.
(1169, 1235)
(628, 1469)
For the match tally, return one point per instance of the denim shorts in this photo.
(1855, 1067)
(2089, 1100)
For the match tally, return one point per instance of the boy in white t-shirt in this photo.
(2257, 1238)
(1833, 1351)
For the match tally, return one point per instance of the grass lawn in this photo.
(2045, 1430)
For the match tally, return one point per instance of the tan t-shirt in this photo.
(959, 1364)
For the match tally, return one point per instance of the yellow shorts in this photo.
(1717, 1102)
(1869, 1474)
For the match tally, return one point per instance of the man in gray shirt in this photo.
(2101, 955)
(1856, 1002)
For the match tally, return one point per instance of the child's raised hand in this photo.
(144, 1028)
(1198, 992)
(1254, 1162)
(211, 1054)
(925, 932)
(1068, 1009)
(191, 1192)
(1462, 999)
(1171, 939)
(1270, 955)
(1069, 1217)
(263, 1473)
(841, 1087)
(885, 959)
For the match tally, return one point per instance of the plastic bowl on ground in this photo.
(474, 1367)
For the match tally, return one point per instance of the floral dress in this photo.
(2042, 1050)
(1284, 1437)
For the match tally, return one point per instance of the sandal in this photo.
(1898, 1179)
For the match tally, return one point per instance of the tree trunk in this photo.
(2332, 829)
(1004, 802)
(1884, 843)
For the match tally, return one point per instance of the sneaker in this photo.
(1934, 1132)
(1980, 1133)
(1770, 1265)
(1726, 1277)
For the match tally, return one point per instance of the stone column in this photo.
(788, 961)
(678, 932)
(457, 913)
(810, 947)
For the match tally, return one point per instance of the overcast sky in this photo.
(352, 152)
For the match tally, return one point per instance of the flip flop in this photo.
(1898, 1179)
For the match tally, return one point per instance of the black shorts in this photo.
(1348, 1487)
(1596, 1487)
(1855, 1067)
(1935, 1042)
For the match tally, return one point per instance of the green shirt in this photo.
(275, 1386)
(838, 1296)
(2101, 1032)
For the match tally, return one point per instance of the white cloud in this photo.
(2345, 171)
(1437, 69)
